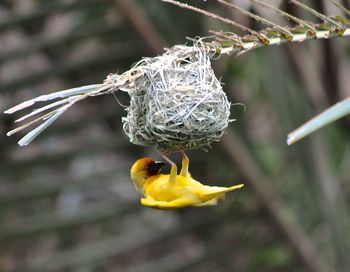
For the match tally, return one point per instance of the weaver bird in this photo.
(173, 191)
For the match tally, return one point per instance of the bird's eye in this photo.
(154, 168)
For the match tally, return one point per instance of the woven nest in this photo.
(177, 103)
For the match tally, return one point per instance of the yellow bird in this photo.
(173, 191)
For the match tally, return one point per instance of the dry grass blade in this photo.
(48, 115)
(67, 99)
(35, 132)
(52, 96)
(45, 108)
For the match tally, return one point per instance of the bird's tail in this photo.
(215, 191)
(63, 100)
(213, 194)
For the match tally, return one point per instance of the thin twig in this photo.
(317, 14)
(341, 7)
(258, 18)
(287, 15)
(263, 38)
(139, 20)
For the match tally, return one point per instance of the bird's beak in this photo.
(154, 167)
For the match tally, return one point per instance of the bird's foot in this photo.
(185, 165)
(173, 171)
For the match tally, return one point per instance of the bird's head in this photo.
(144, 168)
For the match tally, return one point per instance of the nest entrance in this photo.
(176, 103)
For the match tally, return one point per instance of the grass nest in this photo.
(177, 103)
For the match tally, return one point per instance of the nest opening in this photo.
(176, 102)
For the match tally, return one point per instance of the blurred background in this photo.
(66, 200)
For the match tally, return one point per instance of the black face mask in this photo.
(154, 168)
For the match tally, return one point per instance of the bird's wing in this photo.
(159, 187)
(199, 188)
(181, 202)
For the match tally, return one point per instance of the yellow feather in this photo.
(174, 191)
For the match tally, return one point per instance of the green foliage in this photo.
(270, 258)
